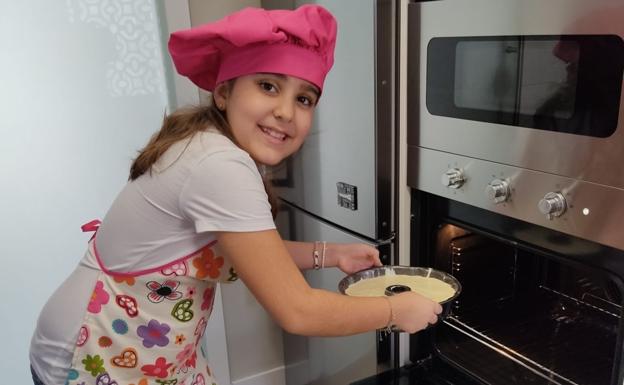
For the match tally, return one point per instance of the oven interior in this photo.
(527, 314)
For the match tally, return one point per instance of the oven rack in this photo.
(473, 358)
(549, 337)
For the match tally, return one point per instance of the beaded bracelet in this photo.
(315, 256)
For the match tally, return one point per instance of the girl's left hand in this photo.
(353, 257)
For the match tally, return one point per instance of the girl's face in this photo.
(269, 114)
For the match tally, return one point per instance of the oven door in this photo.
(432, 372)
(533, 84)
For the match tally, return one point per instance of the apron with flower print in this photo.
(146, 328)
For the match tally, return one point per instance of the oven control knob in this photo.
(497, 190)
(453, 178)
(552, 205)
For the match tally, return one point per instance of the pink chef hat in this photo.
(297, 42)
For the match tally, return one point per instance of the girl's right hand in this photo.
(413, 312)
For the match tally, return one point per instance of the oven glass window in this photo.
(487, 77)
(558, 83)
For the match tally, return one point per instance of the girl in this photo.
(196, 212)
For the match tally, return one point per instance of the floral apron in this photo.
(146, 328)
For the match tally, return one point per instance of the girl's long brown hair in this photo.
(182, 124)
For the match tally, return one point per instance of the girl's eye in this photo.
(306, 101)
(266, 86)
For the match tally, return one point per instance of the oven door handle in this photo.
(385, 241)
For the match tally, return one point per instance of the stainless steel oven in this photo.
(515, 153)
(516, 107)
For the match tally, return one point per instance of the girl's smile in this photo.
(275, 136)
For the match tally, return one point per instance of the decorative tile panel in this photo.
(137, 67)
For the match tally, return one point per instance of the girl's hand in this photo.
(413, 312)
(353, 257)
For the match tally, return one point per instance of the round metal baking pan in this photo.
(349, 280)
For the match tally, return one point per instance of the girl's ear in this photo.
(220, 95)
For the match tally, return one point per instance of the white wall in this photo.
(82, 89)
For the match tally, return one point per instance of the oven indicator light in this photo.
(585, 211)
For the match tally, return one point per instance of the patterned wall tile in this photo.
(137, 67)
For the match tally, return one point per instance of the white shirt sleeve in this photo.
(225, 193)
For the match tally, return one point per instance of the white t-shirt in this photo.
(199, 186)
